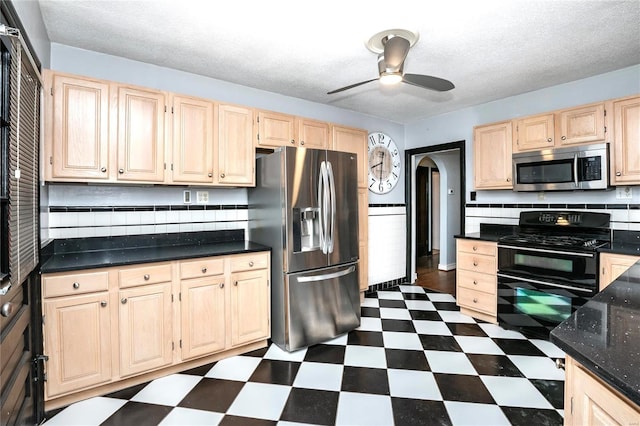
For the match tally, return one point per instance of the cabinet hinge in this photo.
(52, 91)
(258, 119)
(173, 346)
(571, 405)
(43, 320)
(165, 108)
(51, 160)
(171, 110)
(180, 343)
(268, 283)
(171, 166)
(605, 112)
(180, 297)
(605, 129)
(258, 136)
(172, 298)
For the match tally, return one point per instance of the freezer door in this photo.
(321, 305)
(343, 224)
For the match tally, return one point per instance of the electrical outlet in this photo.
(202, 197)
(624, 192)
(186, 197)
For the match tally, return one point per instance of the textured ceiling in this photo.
(489, 49)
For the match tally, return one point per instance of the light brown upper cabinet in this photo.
(534, 133)
(312, 133)
(626, 142)
(275, 129)
(141, 131)
(582, 125)
(234, 152)
(76, 122)
(348, 139)
(192, 130)
(492, 156)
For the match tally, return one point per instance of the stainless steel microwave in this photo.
(562, 169)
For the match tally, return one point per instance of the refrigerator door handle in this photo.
(322, 204)
(332, 196)
(330, 276)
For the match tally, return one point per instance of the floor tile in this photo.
(311, 406)
(515, 392)
(370, 312)
(478, 345)
(365, 356)
(90, 411)
(168, 390)
(394, 313)
(466, 414)
(518, 347)
(277, 353)
(398, 325)
(390, 295)
(131, 391)
(449, 362)
(413, 384)
(234, 368)
(411, 289)
(138, 414)
(431, 327)
(494, 365)
(416, 412)
(187, 416)
(370, 303)
(316, 375)
(275, 372)
(464, 329)
(364, 409)
(212, 395)
(230, 420)
(425, 315)
(370, 324)
(339, 340)
(440, 343)
(365, 380)
(446, 306)
(519, 416)
(258, 352)
(534, 367)
(365, 338)
(494, 330)
(333, 354)
(454, 316)
(419, 305)
(463, 388)
(387, 303)
(406, 360)
(397, 340)
(553, 390)
(415, 296)
(548, 348)
(259, 400)
(441, 297)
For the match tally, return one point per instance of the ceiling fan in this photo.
(391, 57)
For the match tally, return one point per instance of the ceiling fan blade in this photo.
(395, 52)
(428, 82)
(350, 86)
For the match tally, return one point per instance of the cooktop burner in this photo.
(565, 241)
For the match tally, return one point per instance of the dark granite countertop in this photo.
(489, 232)
(604, 334)
(87, 253)
(624, 242)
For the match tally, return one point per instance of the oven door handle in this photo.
(584, 290)
(546, 251)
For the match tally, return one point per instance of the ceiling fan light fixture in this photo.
(389, 79)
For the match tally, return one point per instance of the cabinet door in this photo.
(146, 333)
(249, 306)
(313, 134)
(492, 156)
(192, 140)
(347, 139)
(77, 339)
(77, 129)
(141, 129)
(534, 133)
(203, 316)
(275, 129)
(626, 145)
(363, 237)
(613, 265)
(235, 151)
(580, 125)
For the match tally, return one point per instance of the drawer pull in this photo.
(210, 175)
(222, 175)
(235, 283)
(146, 277)
(103, 170)
(251, 263)
(475, 263)
(103, 303)
(293, 141)
(6, 309)
(475, 300)
(475, 248)
(549, 140)
(76, 285)
(204, 269)
(475, 282)
(301, 142)
(564, 138)
(123, 300)
(560, 363)
(121, 171)
(221, 285)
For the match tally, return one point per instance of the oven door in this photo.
(536, 307)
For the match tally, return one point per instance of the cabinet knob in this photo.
(564, 138)
(210, 175)
(475, 263)
(103, 170)
(293, 141)
(301, 142)
(146, 277)
(475, 282)
(618, 173)
(123, 300)
(6, 309)
(235, 283)
(103, 303)
(204, 270)
(121, 171)
(76, 285)
(560, 363)
(222, 175)
(251, 263)
(475, 248)
(221, 285)
(475, 300)
(508, 179)
(549, 140)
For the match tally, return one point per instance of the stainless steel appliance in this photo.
(580, 167)
(305, 206)
(548, 268)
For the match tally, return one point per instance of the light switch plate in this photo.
(186, 197)
(624, 192)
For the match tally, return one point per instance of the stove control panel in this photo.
(560, 218)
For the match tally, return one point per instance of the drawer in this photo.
(479, 247)
(77, 283)
(151, 274)
(477, 262)
(245, 262)
(477, 300)
(202, 268)
(477, 281)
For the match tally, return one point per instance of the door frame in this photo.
(409, 189)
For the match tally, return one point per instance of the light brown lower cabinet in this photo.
(590, 401)
(476, 279)
(612, 265)
(106, 328)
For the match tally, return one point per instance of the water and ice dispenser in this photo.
(306, 229)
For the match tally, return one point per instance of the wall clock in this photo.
(384, 163)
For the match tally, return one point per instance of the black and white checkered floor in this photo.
(415, 360)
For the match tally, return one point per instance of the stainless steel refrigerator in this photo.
(305, 206)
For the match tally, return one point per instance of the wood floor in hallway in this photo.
(429, 276)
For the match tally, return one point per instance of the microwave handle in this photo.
(575, 170)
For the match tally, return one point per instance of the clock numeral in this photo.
(372, 139)
(395, 175)
(381, 186)
(372, 183)
(380, 138)
(395, 152)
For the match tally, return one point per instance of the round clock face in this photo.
(384, 163)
